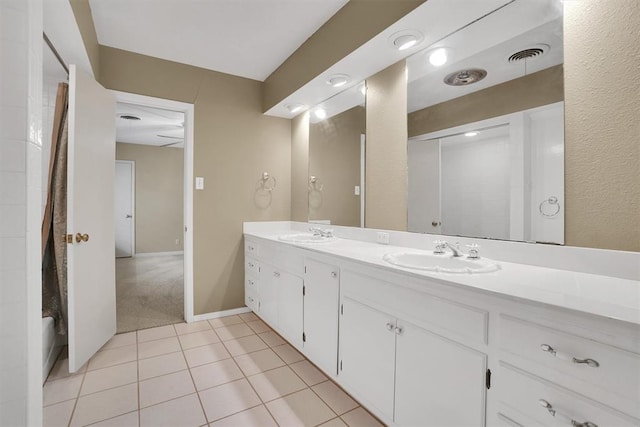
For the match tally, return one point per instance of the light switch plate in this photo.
(382, 237)
(199, 183)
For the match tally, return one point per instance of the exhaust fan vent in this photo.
(530, 53)
(127, 117)
(465, 77)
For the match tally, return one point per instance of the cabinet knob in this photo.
(334, 274)
(398, 330)
(390, 326)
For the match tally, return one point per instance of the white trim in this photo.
(188, 110)
(363, 176)
(133, 204)
(150, 254)
(217, 314)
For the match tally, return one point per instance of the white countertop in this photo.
(605, 296)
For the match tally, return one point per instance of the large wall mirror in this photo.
(336, 159)
(485, 121)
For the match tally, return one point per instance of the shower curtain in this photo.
(54, 223)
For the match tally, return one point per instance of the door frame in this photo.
(188, 110)
(133, 204)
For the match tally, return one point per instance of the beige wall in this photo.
(386, 149)
(602, 123)
(300, 167)
(334, 157)
(234, 144)
(351, 27)
(158, 196)
(537, 89)
(84, 19)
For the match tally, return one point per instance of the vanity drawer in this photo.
(251, 300)
(251, 248)
(252, 267)
(251, 285)
(527, 399)
(609, 368)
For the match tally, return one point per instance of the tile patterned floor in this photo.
(232, 371)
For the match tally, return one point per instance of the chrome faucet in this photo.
(457, 252)
(317, 231)
(474, 252)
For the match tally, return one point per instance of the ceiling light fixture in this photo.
(320, 114)
(469, 134)
(406, 39)
(338, 80)
(294, 108)
(438, 57)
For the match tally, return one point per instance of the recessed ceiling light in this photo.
(294, 108)
(406, 39)
(471, 134)
(320, 113)
(438, 57)
(338, 80)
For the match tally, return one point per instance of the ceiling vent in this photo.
(529, 53)
(128, 117)
(465, 77)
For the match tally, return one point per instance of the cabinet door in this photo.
(438, 381)
(268, 295)
(321, 310)
(367, 354)
(290, 305)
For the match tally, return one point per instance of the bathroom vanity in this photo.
(516, 345)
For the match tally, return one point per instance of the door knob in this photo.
(128, 216)
(82, 237)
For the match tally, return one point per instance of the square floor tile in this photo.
(115, 356)
(166, 387)
(258, 361)
(198, 339)
(336, 422)
(228, 399)
(248, 317)
(258, 326)
(360, 418)
(206, 354)
(127, 420)
(234, 331)
(161, 365)
(288, 353)
(57, 391)
(309, 373)
(225, 321)
(303, 408)
(106, 378)
(184, 412)
(333, 396)
(276, 383)
(120, 340)
(58, 415)
(214, 374)
(272, 339)
(189, 328)
(105, 404)
(156, 333)
(158, 347)
(245, 345)
(258, 416)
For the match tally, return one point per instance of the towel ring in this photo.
(315, 184)
(266, 180)
(551, 201)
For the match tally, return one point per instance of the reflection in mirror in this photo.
(336, 155)
(486, 148)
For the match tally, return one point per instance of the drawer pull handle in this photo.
(390, 327)
(563, 356)
(564, 417)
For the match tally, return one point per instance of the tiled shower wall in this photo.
(20, 211)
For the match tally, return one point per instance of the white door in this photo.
(438, 382)
(424, 187)
(124, 208)
(290, 307)
(321, 299)
(367, 354)
(91, 291)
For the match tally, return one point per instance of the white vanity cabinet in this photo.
(413, 367)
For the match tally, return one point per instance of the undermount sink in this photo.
(441, 263)
(304, 238)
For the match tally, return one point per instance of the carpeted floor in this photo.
(149, 292)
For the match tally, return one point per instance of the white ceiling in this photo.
(247, 38)
(157, 127)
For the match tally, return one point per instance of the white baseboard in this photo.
(217, 314)
(147, 254)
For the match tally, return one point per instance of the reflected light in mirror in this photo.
(320, 113)
(470, 134)
(438, 57)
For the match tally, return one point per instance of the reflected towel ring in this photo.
(315, 184)
(551, 201)
(266, 180)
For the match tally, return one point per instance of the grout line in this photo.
(75, 406)
(138, 376)
(110, 418)
(204, 413)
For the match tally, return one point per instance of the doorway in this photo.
(153, 212)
